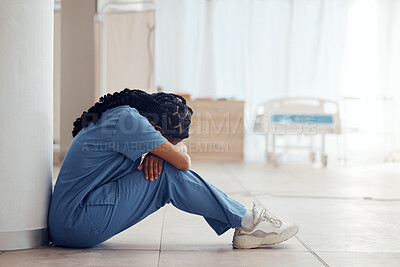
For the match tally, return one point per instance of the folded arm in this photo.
(175, 154)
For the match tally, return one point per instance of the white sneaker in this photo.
(267, 230)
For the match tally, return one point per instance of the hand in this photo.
(151, 166)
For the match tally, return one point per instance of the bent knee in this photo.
(169, 168)
(171, 172)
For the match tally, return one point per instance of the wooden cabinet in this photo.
(216, 132)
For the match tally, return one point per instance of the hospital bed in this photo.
(297, 116)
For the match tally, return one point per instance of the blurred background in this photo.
(229, 58)
(296, 106)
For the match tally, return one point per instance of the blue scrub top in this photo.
(100, 154)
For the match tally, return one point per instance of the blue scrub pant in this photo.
(136, 198)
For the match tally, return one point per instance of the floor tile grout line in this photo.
(366, 198)
(317, 197)
(292, 175)
(254, 197)
(162, 231)
(196, 250)
(312, 252)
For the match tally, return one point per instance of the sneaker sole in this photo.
(248, 241)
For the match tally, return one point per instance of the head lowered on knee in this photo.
(167, 112)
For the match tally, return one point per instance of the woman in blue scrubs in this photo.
(104, 187)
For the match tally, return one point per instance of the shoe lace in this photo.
(271, 218)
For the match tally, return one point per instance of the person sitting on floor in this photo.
(104, 187)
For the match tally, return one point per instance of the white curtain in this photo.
(128, 50)
(258, 50)
(371, 74)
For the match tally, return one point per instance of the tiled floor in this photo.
(348, 216)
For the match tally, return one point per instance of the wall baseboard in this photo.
(15, 240)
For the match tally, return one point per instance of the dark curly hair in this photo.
(169, 111)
